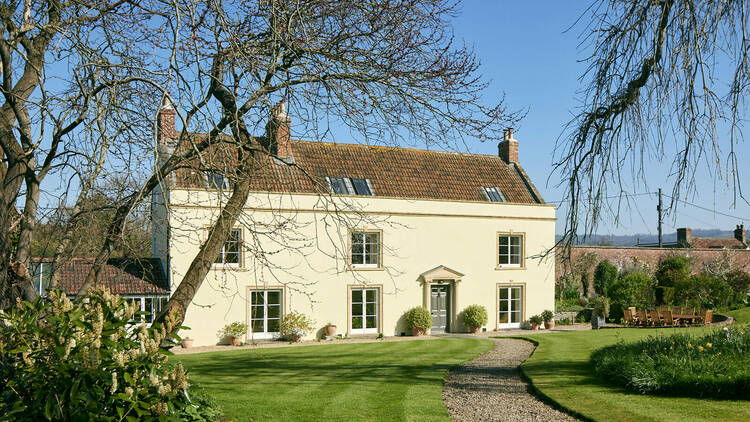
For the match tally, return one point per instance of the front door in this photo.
(439, 303)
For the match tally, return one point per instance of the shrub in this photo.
(566, 288)
(61, 360)
(547, 315)
(567, 306)
(671, 269)
(601, 307)
(418, 317)
(234, 329)
(739, 281)
(536, 319)
(604, 275)
(634, 289)
(702, 291)
(295, 325)
(582, 301)
(681, 364)
(475, 316)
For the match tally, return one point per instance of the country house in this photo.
(355, 235)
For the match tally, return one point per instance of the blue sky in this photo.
(532, 54)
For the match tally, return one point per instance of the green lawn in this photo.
(741, 315)
(346, 382)
(560, 370)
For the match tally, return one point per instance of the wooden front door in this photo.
(439, 308)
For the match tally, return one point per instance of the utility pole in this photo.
(658, 209)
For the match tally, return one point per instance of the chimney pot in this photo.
(684, 236)
(740, 234)
(508, 148)
(277, 131)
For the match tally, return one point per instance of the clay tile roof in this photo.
(121, 276)
(716, 242)
(393, 172)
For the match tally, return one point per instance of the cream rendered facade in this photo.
(424, 243)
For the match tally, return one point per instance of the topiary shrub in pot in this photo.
(535, 321)
(600, 312)
(295, 325)
(549, 319)
(234, 332)
(475, 316)
(418, 320)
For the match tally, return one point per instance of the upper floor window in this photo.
(40, 275)
(365, 251)
(493, 194)
(350, 186)
(216, 180)
(510, 250)
(230, 252)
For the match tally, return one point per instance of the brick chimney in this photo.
(166, 135)
(508, 148)
(684, 236)
(277, 131)
(740, 234)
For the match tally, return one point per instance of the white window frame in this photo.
(265, 334)
(38, 278)
(509, 301)
(221, 261)
(365, 251)
(157, 304)
(509, 253)
(364, 315)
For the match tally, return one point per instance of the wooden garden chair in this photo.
(655, 318)
(663, 308)
(709, 316)
(669, 319)
(629, 319)
(642, 317)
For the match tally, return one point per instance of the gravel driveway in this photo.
(490, 388)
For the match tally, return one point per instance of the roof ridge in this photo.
(387, 147)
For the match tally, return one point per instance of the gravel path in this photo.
(490, 388)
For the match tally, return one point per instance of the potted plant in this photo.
(295, 325)
(475, 316)
(535, 321)
(187, 342)
(418, 320)
(330, 329)
(234, 332)
(549, 319)
(600, 312)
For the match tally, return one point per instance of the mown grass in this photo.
(561, 370)
(710, 365)
(386, 381)
(741, 316)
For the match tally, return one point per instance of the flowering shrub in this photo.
(713, 365)
(61, 360)
(295, 325)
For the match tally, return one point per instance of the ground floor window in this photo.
(150, 305)
(364, 311)
(265, 313)
(510, 307)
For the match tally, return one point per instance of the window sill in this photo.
(227, 267)
(508, 267)
(365, 268)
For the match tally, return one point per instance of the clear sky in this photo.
(531, 50)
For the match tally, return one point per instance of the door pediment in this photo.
(441, 272)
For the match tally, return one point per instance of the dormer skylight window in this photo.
(215, 180)
(350, 186)
(493, 194)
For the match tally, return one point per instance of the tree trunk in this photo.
(209, 251)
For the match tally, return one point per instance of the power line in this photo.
(707, 209)
(631, 195)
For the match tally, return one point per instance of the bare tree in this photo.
(388, 71)
(666, 79)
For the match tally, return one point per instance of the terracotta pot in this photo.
(235, 341)
(548, 325)
(534, 326)
(415, 331)
(293, 337)
(474, 330)
(187, 343)
(330, 330)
